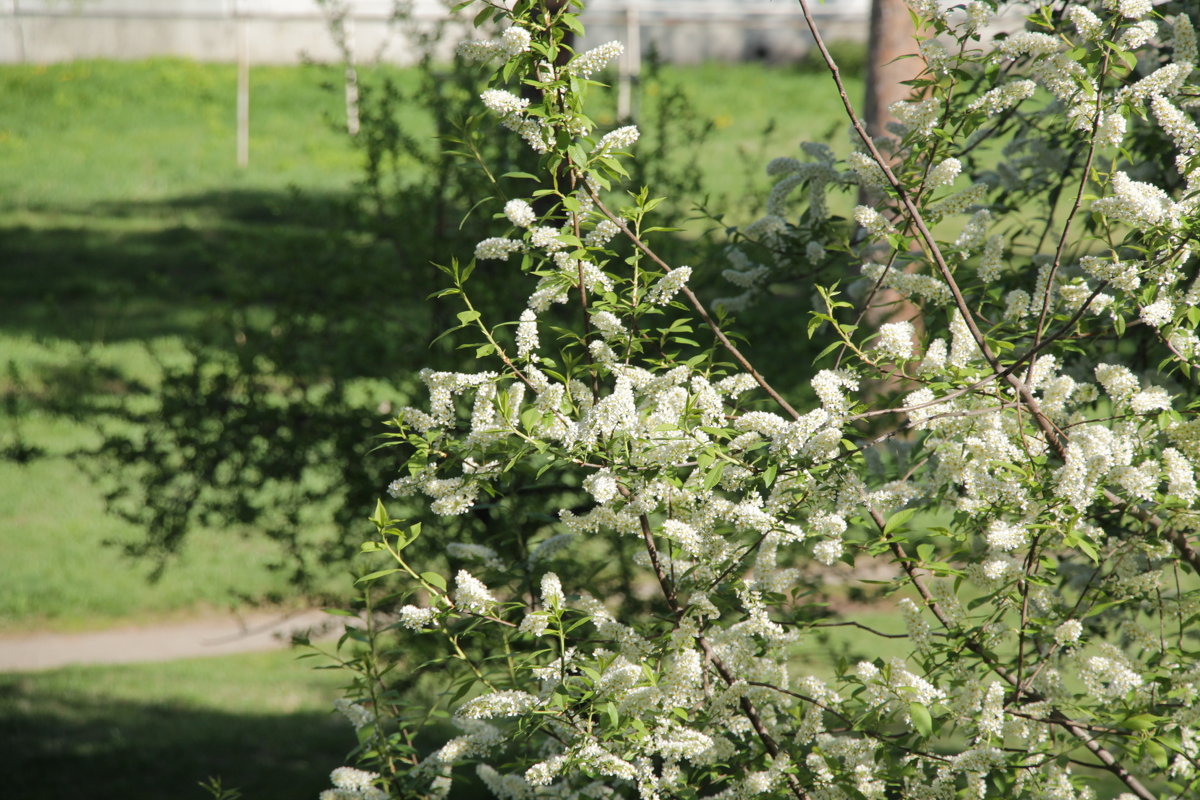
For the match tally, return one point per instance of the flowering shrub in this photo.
(1013, 449)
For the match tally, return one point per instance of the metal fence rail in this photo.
(287, 31)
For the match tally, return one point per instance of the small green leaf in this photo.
(485, 350)
(1157, 753)
(713, 477)
(1141, 722)
(380, 517)
(769, 475)
(376, 575)
(899, 518)
(922, 721)
(467, 317)
(434, 579)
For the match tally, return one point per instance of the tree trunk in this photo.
(892, 35)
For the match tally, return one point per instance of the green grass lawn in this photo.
(262, 723)
(127, 229)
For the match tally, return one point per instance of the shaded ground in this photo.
(262, 723)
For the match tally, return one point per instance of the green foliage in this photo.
(997, 438)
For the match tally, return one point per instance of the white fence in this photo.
(286, 31)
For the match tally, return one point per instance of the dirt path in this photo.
(210, 636)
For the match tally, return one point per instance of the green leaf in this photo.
(1141, 722)
(899, 518)
(485, 350)
(922, 721)
(713, 477)
(1157, 753)
(467, 317)
(769, 475)
(380, 517)
(572, 22)
(377, 574)
(434, 579)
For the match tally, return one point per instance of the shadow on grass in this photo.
(136, 270)
(233, 353)
(62, 745)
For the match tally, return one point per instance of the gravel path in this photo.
(210, 636)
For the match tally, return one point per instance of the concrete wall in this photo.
(286, 31)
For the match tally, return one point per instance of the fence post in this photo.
(19, 29)
(631, 64)
(243, 94)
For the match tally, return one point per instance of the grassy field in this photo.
(261, 723)
(120, 202)
(126, 228)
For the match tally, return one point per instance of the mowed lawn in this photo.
(125, 227)
(126, 230)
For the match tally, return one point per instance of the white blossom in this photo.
(471, 594)
(594, 60)
(527, 334)
(668, 286)
(896, 340)
(619, 139)
(1068, 632)
(520, 213)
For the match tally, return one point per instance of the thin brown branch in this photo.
(1075, 729)
(699, 308)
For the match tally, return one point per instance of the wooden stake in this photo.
(243, 96)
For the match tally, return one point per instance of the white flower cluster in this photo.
(527, 334)
(353, 784)
(896, 340)
(1005, 536)
(511, 110)
(498, 704)
(1068, 632)
(586, 64)
(520, 213)
(1109, 675)
(919, 117)
(876, 225)
(1086, 23)
(415, 618)
(617, 139)
(497, 248)
(471, 594)
(944, 173)
(514, 41)
(998, 100)
(1136, 203)
(909, 284)
(668, 286)
(358, 716)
